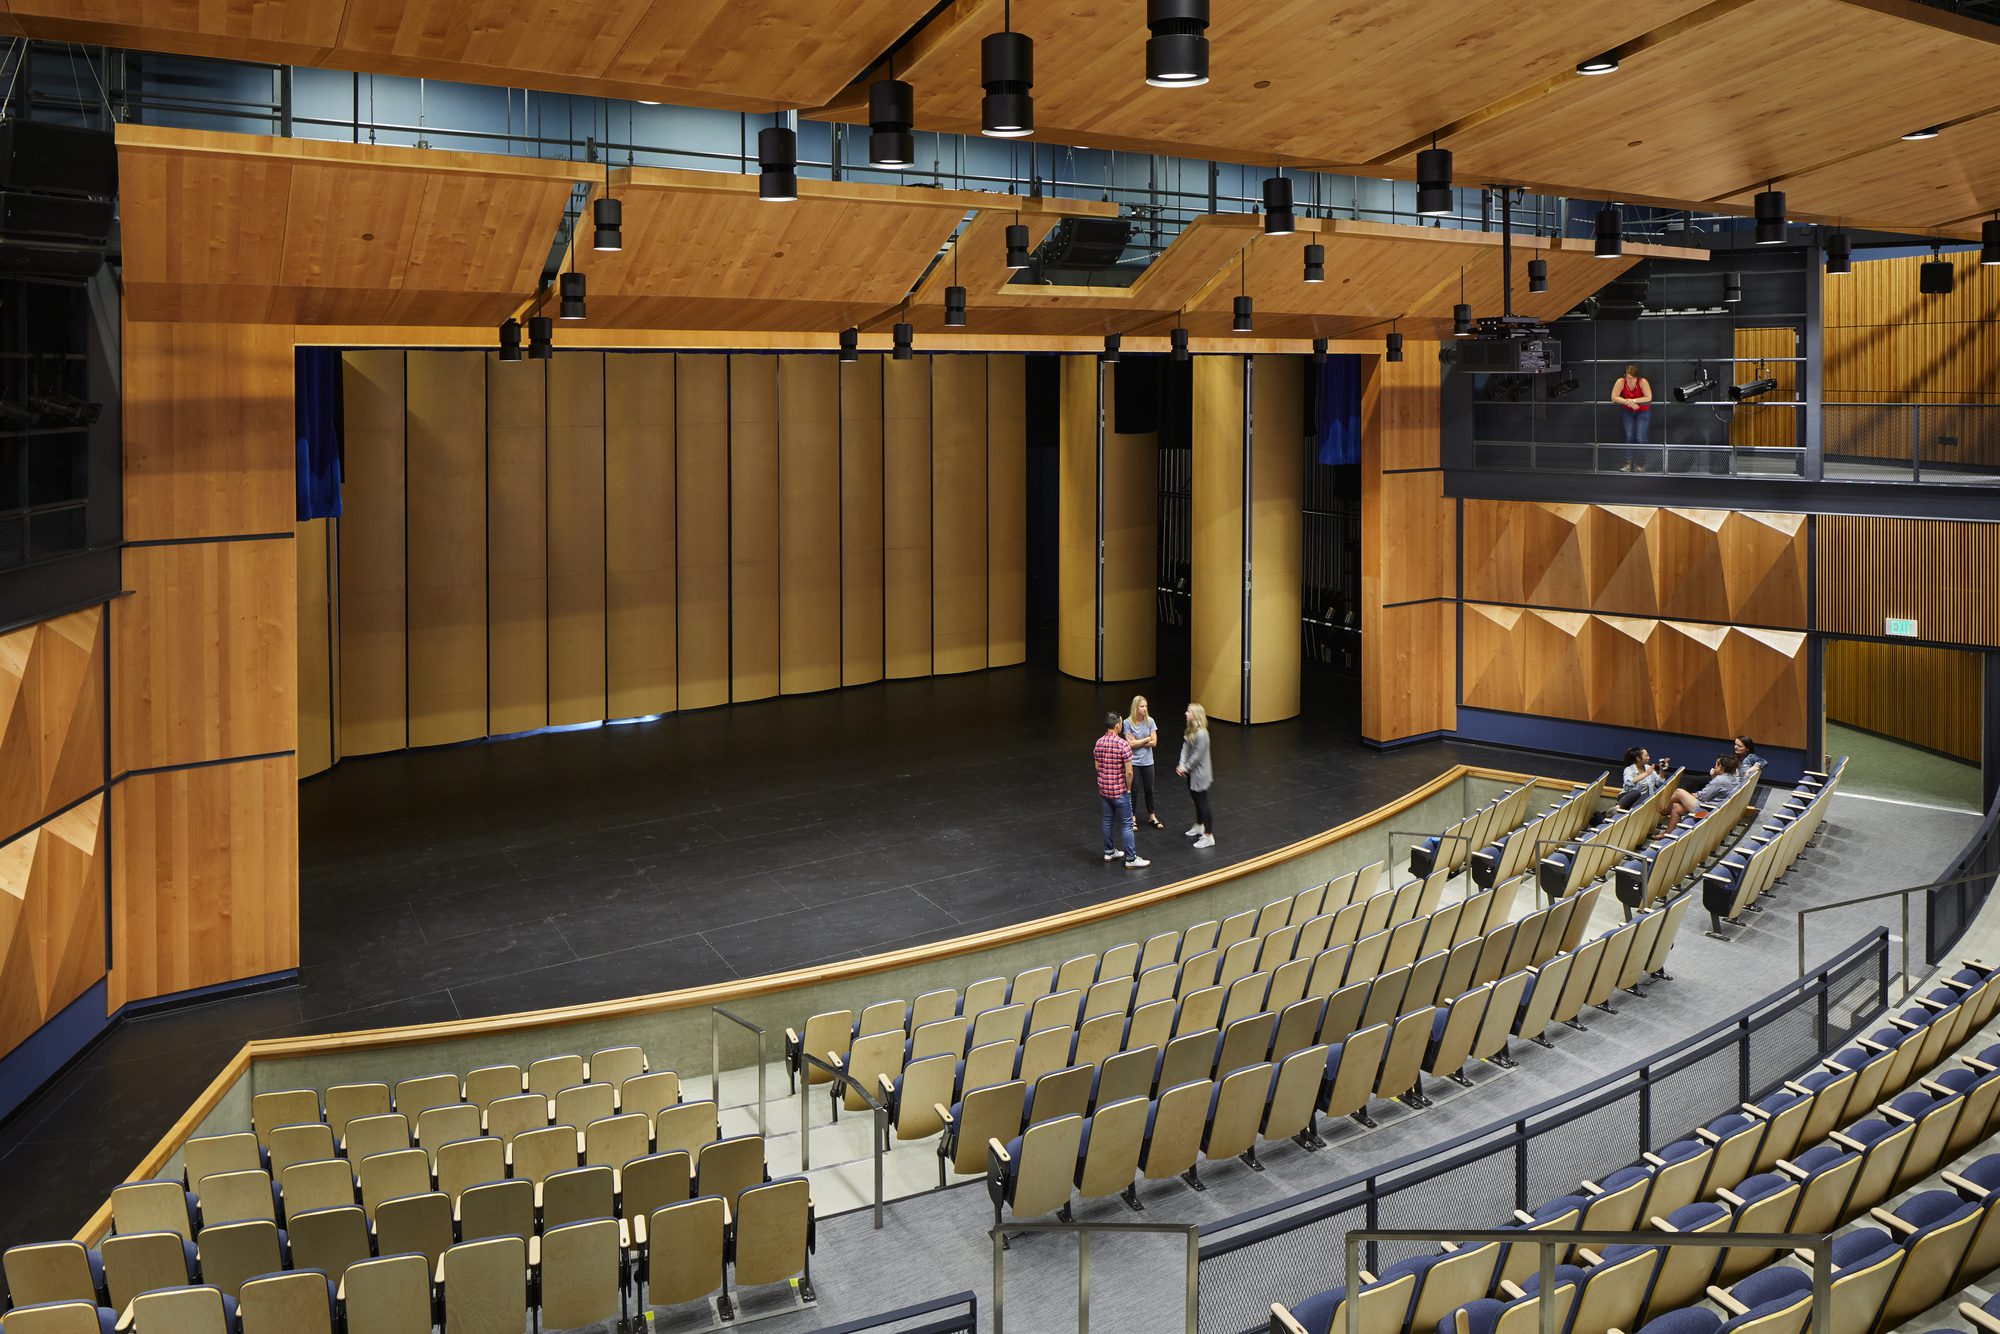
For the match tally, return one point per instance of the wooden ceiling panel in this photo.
(278, 31)
(1942, 185)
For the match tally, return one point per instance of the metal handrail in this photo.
(1546, 1244)
(1909, 983)
(842, 1082)
(716, 1014)
(1083, 1233)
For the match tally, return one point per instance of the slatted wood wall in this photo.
(1930, 697)
(1941, 574)
(1766, 421)
(615, 534)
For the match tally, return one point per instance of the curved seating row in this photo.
(1450, 849)
(1515, 852)
(1762, 858)
(1664, 864)
(1614, 833)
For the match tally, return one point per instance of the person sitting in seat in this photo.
(1642, 778)
(1723, 780)
(1747, 757)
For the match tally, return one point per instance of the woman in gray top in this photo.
(1194, 766)
(1142, 733)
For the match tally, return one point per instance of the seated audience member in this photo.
(1641, 780)
(1723, 780)
(1747, 757)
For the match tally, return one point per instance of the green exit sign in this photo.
(1896, 627)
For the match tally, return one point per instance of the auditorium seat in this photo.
(685, 1254)
(67, 1317)
(299, 1301)
(136, 1262)
(485, 1286)
(53, 1271)
(583, 1275)
(391, 1295)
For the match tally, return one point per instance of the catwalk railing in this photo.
(1288, 1250)
(1951, 906)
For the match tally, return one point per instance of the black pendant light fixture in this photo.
(1538, 275)
(1177, 341)
(1241, 322)
(1610, 232)
(850, 344)
(903, 341)
(1434, 181)
(1279, 219)
(1315, 263)
(607, 217)
(1989, 241)
(1839, 254)
(1770, 206)
(777, 164)
(1112, 343)
(1007, 70)
(1017, 244)
(1319, 352)
(541, 338)
(892, 112)
(1732, 288)
(510, 339)
(954, 295)
(571, 292)
(1395, 345)
(1461, 313)
(1177, 44)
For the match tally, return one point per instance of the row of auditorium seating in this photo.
(1662, 865)
(1591, 856)
(1513, 852)
(1780, 1164)
(1762, 858)
(1448, 850)
(1216, 1103)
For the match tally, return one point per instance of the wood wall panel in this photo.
(210, 445)
(446, 434)
(373, 617)
(753, 527)
(1425, 549)
(204, 662)
(1006, 511)
(1131, 546)
(316, 602)
(906, 517)
(1766, 421)
(576, 538)
(517, 545)
(639, 583)
(1076, 519)
(861, 534)
(1277, 479)
(51, 917)
(701, 499)
(1929, 697)
(1408, 647)
(958, 513)
(809, 521)
(1941, 574)
(1215, 625)
(51, 716)
(205, 876)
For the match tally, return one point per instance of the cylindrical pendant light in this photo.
(510, 339)
(1241, 322)
(1434, 181)
(1112, 343)
(1395, 341)
(1279, 219)
(1732, 288)
(1770, 206)
(1177, 343)
(777, 164)
(1461, 320)
(1017, 246)
(571, 291)
(850, 344)
(1007, 69)
(608, 217)
(1319, 352)
(1315, 263)
(904, 338)
(1177, 47)
(892, 110)
(541, 338)
(1538, 275)
(954, 307)
(1840, 254)
(1989, 240)
(1610, 232)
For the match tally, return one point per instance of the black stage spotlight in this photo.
(1007, 69)
(1315, 263)
(1610, 232)
(1839, 254)
(1241, 322)
(541, 338)
(1177, 49)
(892, 110)
(510, 339)
(1732, 288)
(1177, 343)
(1770, 205)
(571, 290)
(1989, 240)
(1928, 132)
(608, 216)
(1538, 275)
(1703, 383)
(1604, 64)
(1112, 342)
(1017, 246)
(903, 342)
(1319, 352)
(777, 164)
(1461, 320)
(1395, 345)
(1934, 275)
(850, 344)
(1739, 392)
(1562, 388)
(954, 307)
(1434, 181)
(1279, 220)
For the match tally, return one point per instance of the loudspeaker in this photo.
(1934, 277)
(57, 184)
(57, 159)
(1087, 243)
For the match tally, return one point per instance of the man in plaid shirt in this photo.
(1114, 791)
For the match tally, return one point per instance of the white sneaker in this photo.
(1113, 856)
(1135, 863)
(1205, 841)
(1192, 831)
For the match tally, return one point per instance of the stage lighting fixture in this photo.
(1610, 232)
(1241, 322)
(892, 110)
(954, 307)
(1112, 343)
(1839, 254)
(1395, 346)
(1770, 206)
(541, 338)
(1177, 343)
(1989, 240)
(1740, 392)
(1732, 288)
(850, 344)
(777, 164)
(1564, 387)
(1604, 64)
(1703, 383)
(1007, 69)
(571, 291)
(1927, 132)
(1279, 220)
(1538, 275)
(510, 339)
(1319, 352)
(903, 342)
(1177, 47)
(608, 218)
(1461, 320)
(1017, 246)
(1315, 263)
(1434, 181)
(1935, 276)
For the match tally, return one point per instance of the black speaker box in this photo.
(1934, 277)
(1087, 243)
(70, 218)
(57, 159)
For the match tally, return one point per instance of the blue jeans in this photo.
(1117, 812)
(1635, 433)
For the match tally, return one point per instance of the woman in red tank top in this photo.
(1633, 394)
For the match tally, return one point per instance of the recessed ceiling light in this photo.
(1928, 132)
(1604, 64)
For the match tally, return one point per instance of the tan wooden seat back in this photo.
(1031, 984)
(940, 1037)
(1156, 984)
(990, 1064)
(233, 1197)
(1238, 961)
(615, 1065)
(1548, 982)
(143, 1262)
(1585, 962)
(1239, 1109)
(1245, 997)
(1768, 1213)
(1343, 1011)
(580, 1274)
(1503, 1004)
(329, 1240)
(540, 1153)
(580, 1104)
(989, 1113)
(1077, 973)
(325, 1184)
(233, 1252)
(685, 1251)
(1427, 981)
(729, 1167)
(1189, 1056)
(1298, 1028)
(1064, 1092)
(415, 1225)
(1306, 905)
(614, 1141)
(1369, 952)
(416, 1096)
(212, 1155)
(1684, 1270)
(1402, 1066)
(1459, 966)
(1616, 946)
(1043, 1052)
(1347, 925)
(1152, 1025)
(1198, 1010)
(1047, 1163)
(489, 1083)
(651, 1093)
(294, 1303)
(497, 1209)
(1354, 1077)
(1246, 1042)
(50, 1271)
(868, 1060)
(1294, 1094)
(924, 1087)
(282, 1107)
(1174, 1143)
(1197, 972)
(1315, 934)
(1278, 947)
(933, 1006)
(988, 993)
(1494, 948)
(1000, 1024)
(1677, 1184)
(687, 1127)
(552, 1074)
(1288, 984)
(1119, 961)
(470, 1162)
(369, 1135)
(179, 1311)
(1271, 917)
(391, 1295)
(1111, 1160)
(1102, 1036)
(772, 1224)
(486, 1286)
(578, 1195)
(1385, 997)
(1199, 938)
(1441, 928)
(66, 1317)
(441, 1125)
(1461, 1026)
(1058, 1009)
(1328, 971)
(655, 1181)
(1613, 1296)
(881, 1017)
(384, 1176)
(1405, 939)
(1129, 1074)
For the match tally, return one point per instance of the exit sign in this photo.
(1897, 627)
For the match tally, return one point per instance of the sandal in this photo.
(1154, 821)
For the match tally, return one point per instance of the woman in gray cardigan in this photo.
(1194, 766)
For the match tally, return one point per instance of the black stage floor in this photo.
(580, 865)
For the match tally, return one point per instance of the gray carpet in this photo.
(936, 1244)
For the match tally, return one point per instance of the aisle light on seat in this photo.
(1177, 43)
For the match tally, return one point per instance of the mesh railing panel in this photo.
(1689, 1093)
(1855, 994)
(1481, 1187)
(1782, 1047)
(1237, 1288)
(1567, 1148)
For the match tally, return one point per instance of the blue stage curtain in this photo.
(1340, 410)
(316, 391)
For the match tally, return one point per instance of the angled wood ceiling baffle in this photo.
(748, 55)
(299, 231)
(1945, 185)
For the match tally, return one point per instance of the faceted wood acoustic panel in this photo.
(1642, 673)
(51, 918)
(51, 716)
(1721, 566)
